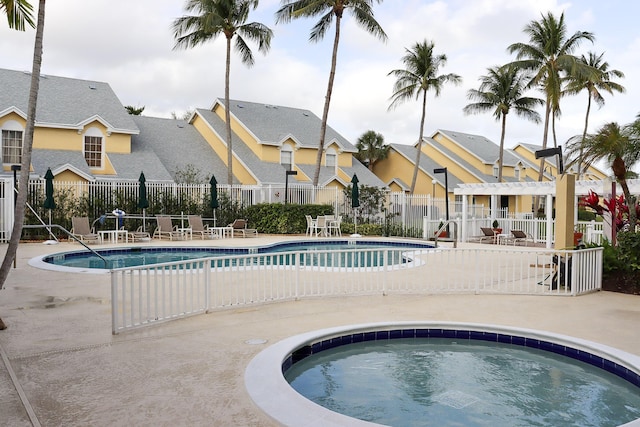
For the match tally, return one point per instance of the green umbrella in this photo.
(214, 192)
(355, 202)
(355, 193)
(214, 197)
(143, 202)
(49, 203)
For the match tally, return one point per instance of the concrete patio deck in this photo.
(62, 367)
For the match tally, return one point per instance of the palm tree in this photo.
(228, 17)
(593, 84)
(18, 13)
(420, 76)
(362, 12)
(23, 186)
(619, 145)
(549, 56)
(501, 90)
(371, 148)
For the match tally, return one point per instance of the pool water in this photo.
(452, 382)
(317, 254)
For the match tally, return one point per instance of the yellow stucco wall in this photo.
(239, 171)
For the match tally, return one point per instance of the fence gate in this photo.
(6, 208)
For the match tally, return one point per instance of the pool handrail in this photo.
(68, 233)
(445, 227)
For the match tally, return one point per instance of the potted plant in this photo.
(496, 227)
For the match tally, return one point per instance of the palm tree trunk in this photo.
(501, 154)
(23, 185)
(414, 179)
(584, 135)
(227, 116)
(327, 101)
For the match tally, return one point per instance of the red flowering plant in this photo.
(617, 205)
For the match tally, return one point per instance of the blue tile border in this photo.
(386, 335)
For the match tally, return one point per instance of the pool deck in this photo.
(61, 366)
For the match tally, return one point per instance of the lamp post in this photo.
(286, 184)
(446, 192)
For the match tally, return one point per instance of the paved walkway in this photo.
(62, 367)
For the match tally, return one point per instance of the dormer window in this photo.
(12, 135)
(495, 170)
(517, 173)
(93, 148)
(330, 158)
(286, 157)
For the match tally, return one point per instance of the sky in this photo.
(129, 44)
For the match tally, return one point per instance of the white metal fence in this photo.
(400, 209)
(146, 295)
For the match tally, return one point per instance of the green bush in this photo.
(278, 218)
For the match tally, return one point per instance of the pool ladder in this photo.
(445, 227)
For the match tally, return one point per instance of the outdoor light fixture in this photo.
(286, 184)
(446, 192)
(550, 152)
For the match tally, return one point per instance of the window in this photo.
(517, 173)
(93, 151)
(286, 157)
(12, 146)
(495, 170)
(330, 158)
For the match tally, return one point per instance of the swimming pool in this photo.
(266, 383)
(340, 253)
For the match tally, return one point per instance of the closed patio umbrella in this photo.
(355, 202)
(214, 196)
(49, 203)
(143, 202)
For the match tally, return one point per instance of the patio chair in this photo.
(166, 229)
(312, 225)
(333, 225)
(81, 229)
(321, 225)
(520, 236)
(240, 228)
(198, 228)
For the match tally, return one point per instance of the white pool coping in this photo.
(272, 393)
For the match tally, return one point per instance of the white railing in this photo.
(150, 294)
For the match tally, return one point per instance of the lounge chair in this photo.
(81, 229)
(166, 229)
(139, 235)
(198, 228)
(240, 228)
(520, 236)
(487, 235)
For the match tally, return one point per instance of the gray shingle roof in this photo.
(272, 124)
(41, 160)
(165, 146)
(485, 149)
(274, 173)
(65, 102)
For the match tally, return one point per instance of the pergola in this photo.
(544, 189)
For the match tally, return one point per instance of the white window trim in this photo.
(95, 132)
(11, 125)
(286, 148)
(331, 152)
